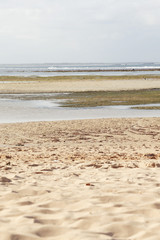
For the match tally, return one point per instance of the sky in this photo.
(52, 31)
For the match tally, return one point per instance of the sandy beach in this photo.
(83, 179)
(80, 179)
(79, 120)
(74, 84)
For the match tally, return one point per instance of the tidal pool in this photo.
(43, 107)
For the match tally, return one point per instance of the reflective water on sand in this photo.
(30, 107)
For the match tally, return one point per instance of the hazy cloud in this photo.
(79, 30)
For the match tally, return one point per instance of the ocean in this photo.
(61, 69)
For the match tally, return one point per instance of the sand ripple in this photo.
(91, 179)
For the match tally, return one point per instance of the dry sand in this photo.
(81, 180)
(77, 85)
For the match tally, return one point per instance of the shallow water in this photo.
(13, 109)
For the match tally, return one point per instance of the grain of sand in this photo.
(82, 180)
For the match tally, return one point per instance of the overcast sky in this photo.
(41, 31)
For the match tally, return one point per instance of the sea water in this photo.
(61, 69)
(29, 107)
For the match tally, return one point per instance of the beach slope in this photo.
(83, 179)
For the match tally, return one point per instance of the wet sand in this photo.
(83, 179)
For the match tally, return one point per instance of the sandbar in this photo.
(77, 84)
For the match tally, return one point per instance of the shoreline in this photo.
(76, 119)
